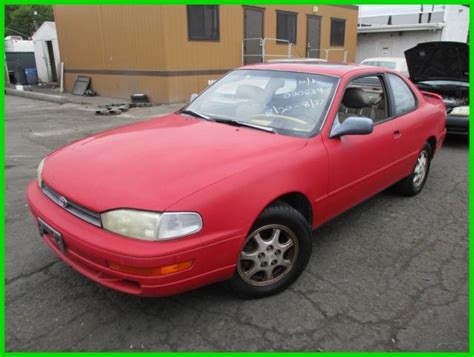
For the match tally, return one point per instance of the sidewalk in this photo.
(53, 95)
(89, 103)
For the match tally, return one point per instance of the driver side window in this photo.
(364, 97)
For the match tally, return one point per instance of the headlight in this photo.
(39, 172)
(461, 111)
(151, 226)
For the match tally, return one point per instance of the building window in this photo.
(203, 22)
(286, 26)
(338, 30)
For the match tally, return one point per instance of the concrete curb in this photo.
(39, 96)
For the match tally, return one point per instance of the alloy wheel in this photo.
(268, 255)
(420, 169)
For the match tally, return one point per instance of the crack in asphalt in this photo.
(30, 274)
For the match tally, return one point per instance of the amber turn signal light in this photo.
(164, 270)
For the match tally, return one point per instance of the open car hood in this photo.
(440, 60)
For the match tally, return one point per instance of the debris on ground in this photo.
(24, 87)
(139, 100)
(112, 109)
(50, 85)
(90, 93)
(81, 85)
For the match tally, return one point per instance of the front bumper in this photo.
(90, 249)
(457, 124)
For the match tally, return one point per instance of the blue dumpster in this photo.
(31, 76)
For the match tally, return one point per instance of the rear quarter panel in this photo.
(435, 102)
(432, 116)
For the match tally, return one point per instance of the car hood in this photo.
(438, 61)
(154, 163)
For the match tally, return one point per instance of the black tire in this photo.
(292, 226)
(407, 186)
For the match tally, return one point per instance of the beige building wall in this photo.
(145, 49)
(350, 14)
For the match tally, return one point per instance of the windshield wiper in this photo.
(194, 114)
(240, 123)
(227, 121)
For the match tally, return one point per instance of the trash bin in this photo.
(31, 76)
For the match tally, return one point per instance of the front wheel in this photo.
(274, 254)
(414, 183)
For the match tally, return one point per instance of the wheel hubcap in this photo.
(268, 255)
(420, 169)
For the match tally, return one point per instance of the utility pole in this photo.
(7, 74)
(35, 14)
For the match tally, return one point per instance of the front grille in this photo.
(71, 207)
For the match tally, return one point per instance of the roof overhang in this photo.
(401, 28)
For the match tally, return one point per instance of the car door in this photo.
(358, 163)
(406, 127)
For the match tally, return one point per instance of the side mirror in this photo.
(192, 97)
(352, 126)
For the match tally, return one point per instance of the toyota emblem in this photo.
(63, 201)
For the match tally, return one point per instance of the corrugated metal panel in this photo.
(159, 89)
(113, 41)
(117, 86)
(113, 37)
(184, 54)
(79, 34)
(326, 12)
(132, 37)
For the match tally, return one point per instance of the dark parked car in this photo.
(443, 68)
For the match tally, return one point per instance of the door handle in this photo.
(397, 134)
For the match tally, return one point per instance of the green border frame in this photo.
(235, 354)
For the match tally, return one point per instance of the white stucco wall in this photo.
(456, 23)
(47, 32)
(453, 18)
(372, 44)
(40, 58)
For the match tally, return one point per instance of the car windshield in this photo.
(385, 64)
(287, 103)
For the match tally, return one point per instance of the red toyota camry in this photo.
(231, 186)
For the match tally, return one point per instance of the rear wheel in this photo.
(414, 183)
(274, 254)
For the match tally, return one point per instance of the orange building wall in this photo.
(130, 49)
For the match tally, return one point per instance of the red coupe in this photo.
(231, 186)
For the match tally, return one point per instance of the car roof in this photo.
(297, 60)
(330, 69)
(392, 59)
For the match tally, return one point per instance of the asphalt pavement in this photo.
(389, 275)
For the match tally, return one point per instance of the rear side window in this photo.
(404, 99)
(386, 64)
